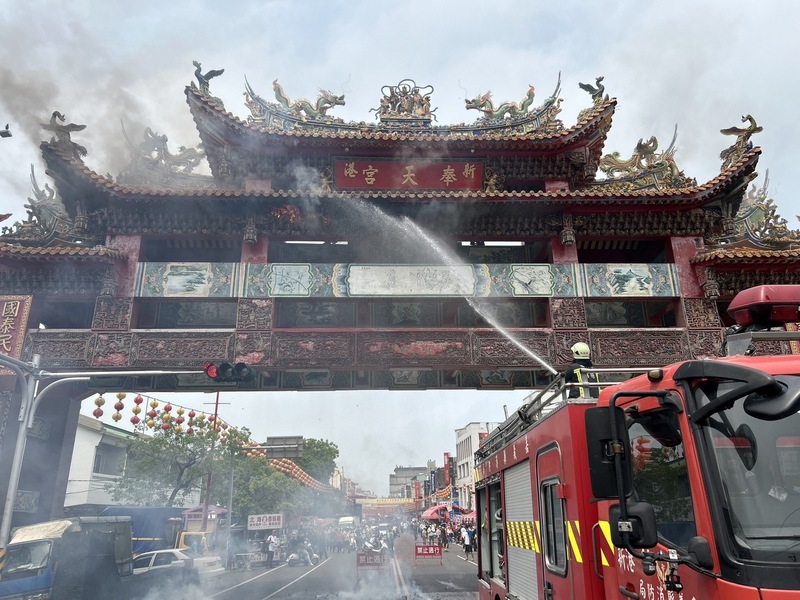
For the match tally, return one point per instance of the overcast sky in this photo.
(699, 64)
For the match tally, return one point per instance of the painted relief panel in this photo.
(188, 280)
(413, 280)
(342, 280)
(613, 280)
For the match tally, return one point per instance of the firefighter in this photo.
(575, 373)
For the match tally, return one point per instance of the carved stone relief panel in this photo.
(493, 349)
(701, 313)
(413, 349)
(112, 313)
(643, 347)
(254, 314)
(254, 348)
(60, 349)
(112, 350)
(707, 343)
(314, 349)
(568, 313)
(191, 350)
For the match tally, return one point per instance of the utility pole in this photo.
(28, 377)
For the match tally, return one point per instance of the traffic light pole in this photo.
(28, 377)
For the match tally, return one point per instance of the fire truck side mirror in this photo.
(602, 449)
(640, 526)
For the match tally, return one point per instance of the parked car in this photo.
(168, 564)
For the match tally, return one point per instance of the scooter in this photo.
(305, 555)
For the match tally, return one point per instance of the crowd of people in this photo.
(368, 538)
(445, 534)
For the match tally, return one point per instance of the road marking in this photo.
(291, 583)
(399, 580)
(246, 581)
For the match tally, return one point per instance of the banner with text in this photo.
(261, 522)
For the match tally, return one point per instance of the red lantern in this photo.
(165, 426)
(179, 420)
(192, 414)
(152, 414)
(97, 412)
(135, 420)
(118, 406)
(167, 407)
(138, 400)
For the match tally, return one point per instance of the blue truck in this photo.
(153, 528)
(68, 559)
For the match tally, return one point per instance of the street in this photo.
(338, 577)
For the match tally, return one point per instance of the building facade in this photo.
(98, 459)
(398, 254)
(468, 440)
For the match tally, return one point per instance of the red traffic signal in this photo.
(226, 372)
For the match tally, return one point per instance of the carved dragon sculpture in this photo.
(326, 100)
(484, 104)
(643, 156)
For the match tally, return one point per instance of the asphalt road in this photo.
(338, 577)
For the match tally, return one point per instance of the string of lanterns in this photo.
(187, 421)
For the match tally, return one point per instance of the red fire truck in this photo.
(680, 483)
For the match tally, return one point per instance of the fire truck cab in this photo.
(680, 483)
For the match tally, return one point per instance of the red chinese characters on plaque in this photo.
(14, 312)
(365, 174)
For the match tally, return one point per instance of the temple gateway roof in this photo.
(515, 152)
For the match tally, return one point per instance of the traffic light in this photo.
(226, 372)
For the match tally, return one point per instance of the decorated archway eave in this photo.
(216, 125)
(91, 186)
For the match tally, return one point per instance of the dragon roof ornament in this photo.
(759, 223)
(645, 169)
(405, 106)
(48, 223)
(153, 165)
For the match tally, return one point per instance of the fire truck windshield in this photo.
(755, 465)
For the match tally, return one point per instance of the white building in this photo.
(98, 458)
(468, 440)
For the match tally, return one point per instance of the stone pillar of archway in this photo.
(48, 453)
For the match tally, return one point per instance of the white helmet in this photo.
(580, 350)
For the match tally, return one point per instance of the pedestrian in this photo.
(272, 547)
(575, 373)
(466, 540)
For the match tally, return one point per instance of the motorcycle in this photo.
(304, 555)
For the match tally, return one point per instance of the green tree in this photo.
(319, 459)
(169, 466)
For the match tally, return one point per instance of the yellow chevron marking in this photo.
(572, 528)
(521, 535)
(605, 527)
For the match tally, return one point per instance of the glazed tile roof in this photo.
(55, 252)
(737, 255)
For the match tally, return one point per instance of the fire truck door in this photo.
(556, 576)
(520, 536)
